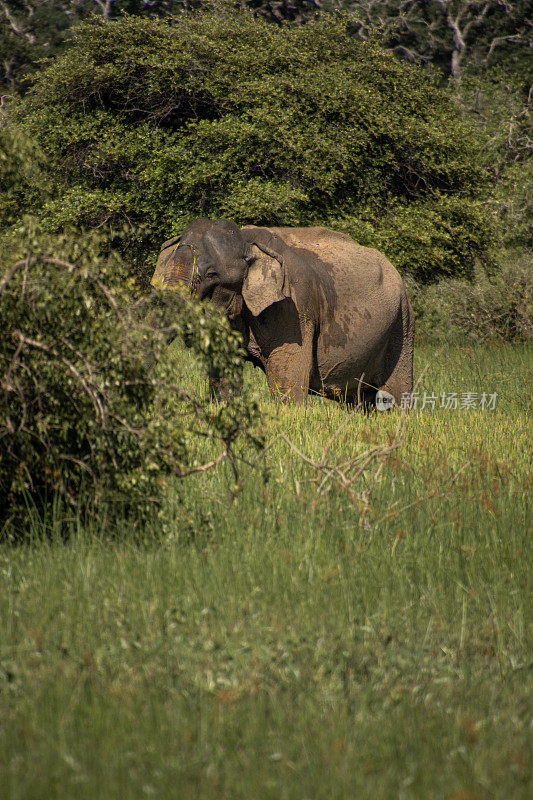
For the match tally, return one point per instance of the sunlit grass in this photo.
(283, 644)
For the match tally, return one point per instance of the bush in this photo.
(495, 307)
(513, 203)
(498, 104)
(153, 123)
(82, 417)
(23, 174)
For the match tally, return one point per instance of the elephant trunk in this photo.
(202, 289)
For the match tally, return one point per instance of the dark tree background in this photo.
(447, 33)
(451, 33)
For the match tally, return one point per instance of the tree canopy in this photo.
(446, 33)
(33, 31)
(150, 123)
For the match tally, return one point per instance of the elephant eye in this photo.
(211, 273)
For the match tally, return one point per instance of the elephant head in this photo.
(235, 268)
(247, 265)
(186, 260)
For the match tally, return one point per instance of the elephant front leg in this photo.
(288, 368)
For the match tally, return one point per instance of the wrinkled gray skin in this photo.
(316, 310)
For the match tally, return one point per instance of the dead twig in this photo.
(347, 474)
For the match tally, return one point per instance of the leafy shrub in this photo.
(497, 306)
(439, 236)
(499, 106)
(23, 174)
(156, 122)
(82, 416)
(513, 203)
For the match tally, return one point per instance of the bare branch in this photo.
(17, 27)
(90, 390)
(105, 7)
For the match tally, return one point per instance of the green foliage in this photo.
(274, 648)
(487, 32)
(499, 106)
(82, 415)
(513, 202)
(494, 307)
(438, 237)
(156, 122)
(23, 175)
(33, 31)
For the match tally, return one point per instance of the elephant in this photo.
(317, 311)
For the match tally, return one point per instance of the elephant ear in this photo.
(265, 282)
(167, 249)
(179, 270)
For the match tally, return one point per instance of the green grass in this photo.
(290, 643)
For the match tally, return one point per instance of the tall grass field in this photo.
(352, 621)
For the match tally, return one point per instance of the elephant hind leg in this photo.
(398, 358)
